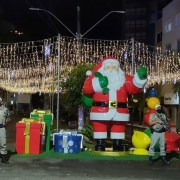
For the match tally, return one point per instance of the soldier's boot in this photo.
(4, 159)
(100, 145)
(150, 160)
(164, 161)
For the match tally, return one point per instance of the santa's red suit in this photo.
(111, 108)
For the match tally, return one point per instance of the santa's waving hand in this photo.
(109, 86)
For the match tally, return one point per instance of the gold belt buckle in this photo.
(112, 104)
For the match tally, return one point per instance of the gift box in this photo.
(42, 114)
(41, 111)
(47, 117)
(67, 142)
(33, 115)
(29, 136)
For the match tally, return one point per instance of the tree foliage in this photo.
(72, 79)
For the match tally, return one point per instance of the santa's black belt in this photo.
(110, 104)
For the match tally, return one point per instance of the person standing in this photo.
(108, 87)
(4, 118)
(158, 125)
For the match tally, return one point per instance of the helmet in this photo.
(157, 106)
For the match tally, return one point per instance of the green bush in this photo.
(87, 132)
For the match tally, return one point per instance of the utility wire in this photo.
(49, 17)
(112, 9)
(41, 17)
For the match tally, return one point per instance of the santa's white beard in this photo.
(115, 80)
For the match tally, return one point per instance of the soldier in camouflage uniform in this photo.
(4, 118)
(158, 123)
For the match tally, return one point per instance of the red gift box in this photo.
(28, 139)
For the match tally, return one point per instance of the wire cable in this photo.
(112, 9)
(49, 17)
(41, 16)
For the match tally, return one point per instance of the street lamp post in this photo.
(132, 111)
(78, 36)
(37, 9)
(101, 20)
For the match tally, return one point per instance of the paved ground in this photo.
(52, 169)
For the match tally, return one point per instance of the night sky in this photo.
(40, 25)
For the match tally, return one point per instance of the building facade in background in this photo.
(155, 23)
(140, 18)
(171, 27)
(167, 30)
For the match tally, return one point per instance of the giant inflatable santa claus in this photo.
(108, 87)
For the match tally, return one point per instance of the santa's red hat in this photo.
(101, 63)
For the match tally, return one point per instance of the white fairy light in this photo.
(50, 66)
(144, 90)
(26, 65)
(163, 80)
(12, 74)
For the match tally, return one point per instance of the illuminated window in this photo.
(140, 23)
(141, 35)
(133, 11)
(129, 35)
(143, 10)
(138, 11)
(130, 24)
(168, 28)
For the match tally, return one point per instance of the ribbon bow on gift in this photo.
(42, 112)
(65, 143)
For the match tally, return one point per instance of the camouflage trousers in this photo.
(3, 141)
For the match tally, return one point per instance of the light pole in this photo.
(78, 31)
(37, 9)
(78, 36)
(132, 111)
(101, 20)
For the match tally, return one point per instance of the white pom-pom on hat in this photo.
(101, 63)
(88, 73)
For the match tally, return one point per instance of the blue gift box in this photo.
(67, 143)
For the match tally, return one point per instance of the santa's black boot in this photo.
(117, 145)
(100, 145)
(164, 161)
(4, 159)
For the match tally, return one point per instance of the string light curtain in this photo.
(30, 67)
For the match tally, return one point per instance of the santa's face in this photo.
(111, 69)
(114, 74)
